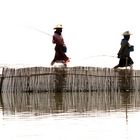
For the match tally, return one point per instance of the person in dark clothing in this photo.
(124, 52)
(60, 48)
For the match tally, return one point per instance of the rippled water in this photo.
(66, 116)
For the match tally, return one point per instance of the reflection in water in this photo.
(61, 114)
(61, 101)
(125, 80)
(68, 102)
(59, 87)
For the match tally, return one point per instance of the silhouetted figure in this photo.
(124, 52)
(60, 48)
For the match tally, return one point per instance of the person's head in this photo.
(58, 28)
(127, 35)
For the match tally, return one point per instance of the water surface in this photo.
(66, 116)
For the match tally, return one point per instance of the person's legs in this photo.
(52, 63)
(122, 63)
(116, 66)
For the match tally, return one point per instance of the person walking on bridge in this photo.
(124, 52)
(60, 47)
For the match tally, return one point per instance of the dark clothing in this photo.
(124, 54)
(124, 50)
(123, 62)
(60, 55)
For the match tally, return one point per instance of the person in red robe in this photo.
(60, 47)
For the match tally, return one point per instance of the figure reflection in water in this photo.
(124, 52)
(126, 86)
(60, 84)
(60, 48)
(125, 80)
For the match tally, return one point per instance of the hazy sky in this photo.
(92, 30)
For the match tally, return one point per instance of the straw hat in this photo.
(58, 26)
(126, 33)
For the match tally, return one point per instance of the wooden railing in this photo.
(70, 79)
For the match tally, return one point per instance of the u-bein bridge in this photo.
(70, 79)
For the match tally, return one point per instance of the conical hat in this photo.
(58, 26)
(126, 33)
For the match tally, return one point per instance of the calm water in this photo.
(70, 116)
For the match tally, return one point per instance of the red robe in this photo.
(60, 55)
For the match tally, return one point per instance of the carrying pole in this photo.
(39, 30)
